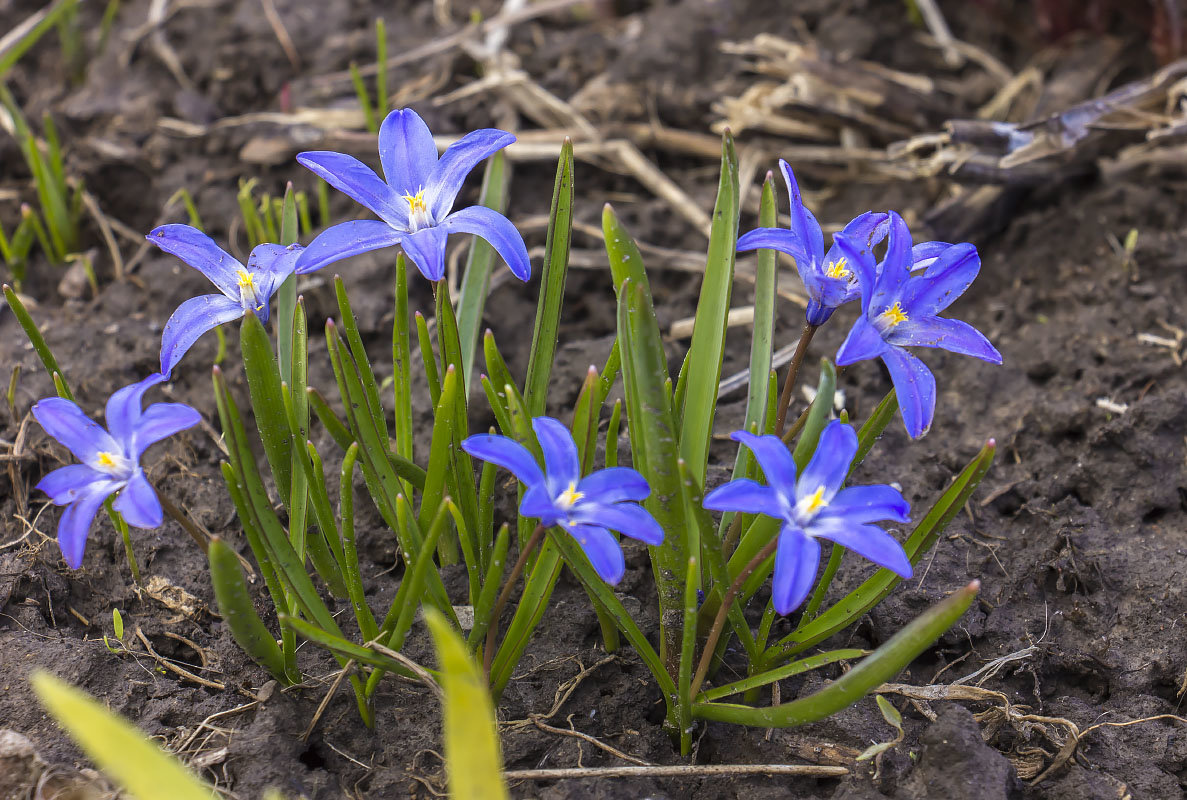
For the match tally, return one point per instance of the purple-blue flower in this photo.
(414, 204)
(899, 308)
(243, 289)
(829, 278)
(815, 507)
(110, 460)
(587, 508)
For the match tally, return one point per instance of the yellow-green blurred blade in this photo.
(117, 747)
(473, 760)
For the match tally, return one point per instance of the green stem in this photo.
(830, 570)
(793, 372)
(723, 612)
(492, 632)
(126, 535)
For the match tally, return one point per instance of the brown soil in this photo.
(1079, 533)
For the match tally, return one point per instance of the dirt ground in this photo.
(1078, 534)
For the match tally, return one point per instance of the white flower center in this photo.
(569, 497)
(811, 505)
(418, 211)
(113, 464)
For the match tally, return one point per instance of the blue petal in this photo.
(192, 319)
(743, 494)
(138, 503)
(63, 420)
(781, 239)
(915, 387)
(602, 549)
(344, 240)
(865, 270)
(774, 458)
(830, 463)
(426, 248)
(561, 464)
(76, 520)
(498, 231)
(896, 269)
(866, 231)
(614, 485)
(862, 504)
(797, 559)
(160, 421)
(359, 182)
(629, 519)
(803, 223)
(924, 255)
(948, 334)
(123, 409)
(272, 264)
(863, 233)
(200, 252)
(945, 280)
(64, 484)
(816, 313)
(506, 453)
(868, 541)
(406, 151)
(537, 504)
(863, 343)
(458, 160)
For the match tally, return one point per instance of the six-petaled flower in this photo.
(415, 203)
(829, 278)
(587, 508)
(815, 507)
(899, 308)
(244, 289)
(110, 460)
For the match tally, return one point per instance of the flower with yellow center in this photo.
(893, 316)
(840, 269)
(569, 497)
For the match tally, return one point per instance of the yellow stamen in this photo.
(569, 496)
(416, 203)
(107, 460)
(893, 316)
(839, 269)
(815, 502)
(246, 280)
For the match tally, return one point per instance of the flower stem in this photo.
(723, 612)
(493, 631)
(793, 371)
(183, 519)
(126, 535)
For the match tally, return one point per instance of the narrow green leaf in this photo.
(36, 339)
(654, 443)
(402, 363)
(781, 673)
(479, 262)
(236, 608)
(707, 350)
(877, 668)
(818, 415)
(263, 383)
(552, 285)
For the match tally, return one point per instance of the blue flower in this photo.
(243, 289)
(899, 306)
(110, 461)
(815, 507)
(584, 507)
(414, 203)
(829, 278)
